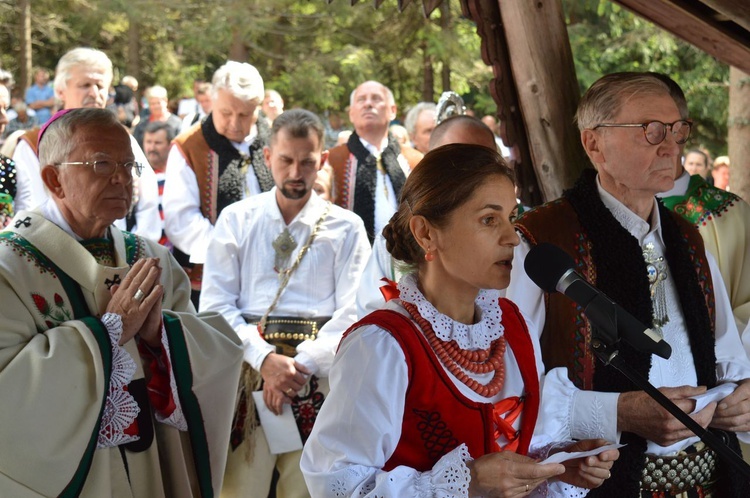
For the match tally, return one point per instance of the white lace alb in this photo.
(120, 409)
(476, 336)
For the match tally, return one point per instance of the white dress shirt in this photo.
(239, 276)
(380, 264)
(591, 414)
(31, 191)
(184, 223)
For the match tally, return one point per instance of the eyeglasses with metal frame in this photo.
(656, 131)
(108, 168)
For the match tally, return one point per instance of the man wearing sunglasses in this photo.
(105, 375)
(653, 263)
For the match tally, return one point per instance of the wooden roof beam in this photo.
(696, 22)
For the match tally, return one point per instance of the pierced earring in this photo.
(428, 256)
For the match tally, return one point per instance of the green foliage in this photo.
(314, 53)
(606, 38)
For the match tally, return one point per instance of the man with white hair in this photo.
(82, 79)
(157, 99)
(419, 122)
(370, 169)
(215, 163)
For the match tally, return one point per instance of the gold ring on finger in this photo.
(139, 295)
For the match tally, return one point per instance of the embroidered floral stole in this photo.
(701, 201)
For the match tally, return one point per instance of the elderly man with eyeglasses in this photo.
(111, 384)
(653, 263)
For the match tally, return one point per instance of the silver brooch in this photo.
(656, 268)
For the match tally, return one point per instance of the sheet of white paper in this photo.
(564, 456)
(281, 430)
(715, 394)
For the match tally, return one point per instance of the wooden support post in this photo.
(542, 67)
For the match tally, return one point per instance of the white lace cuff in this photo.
(449, 477)
(177, 418)
(120, 409)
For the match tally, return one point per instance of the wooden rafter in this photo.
(720, 28)
(494, 50)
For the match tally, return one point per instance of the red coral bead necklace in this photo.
(456, 360)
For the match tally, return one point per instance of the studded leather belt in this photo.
(695, 466)
(286, 333)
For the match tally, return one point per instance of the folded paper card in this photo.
(714, 394)
(281, 430)
(564, 456)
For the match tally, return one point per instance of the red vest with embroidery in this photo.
(437, 417)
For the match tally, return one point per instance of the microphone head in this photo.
(546, 264)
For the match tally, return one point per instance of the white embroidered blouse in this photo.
(359, 425)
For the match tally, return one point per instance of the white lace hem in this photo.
(177, 418)
(449, 477)
(120, 408)
(476, 336)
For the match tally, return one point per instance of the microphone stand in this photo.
(604, 344)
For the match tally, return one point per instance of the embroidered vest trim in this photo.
(346, 186)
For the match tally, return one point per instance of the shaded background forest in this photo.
(314, 53)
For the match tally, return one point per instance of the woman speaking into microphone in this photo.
(437, 394)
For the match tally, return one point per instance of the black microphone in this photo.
(552, 269)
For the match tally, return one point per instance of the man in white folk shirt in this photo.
(653, 263)
(283, 268)
(215, 163)
(82, 79)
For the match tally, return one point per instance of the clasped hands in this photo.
(138, 302)
(282, 380)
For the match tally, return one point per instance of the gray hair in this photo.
(676, 93)
(299, 123)
(5, 92)
(241, 80)
(82, 56)
(410, 123)
(606, 97)
(388, 93)
(57, 142)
